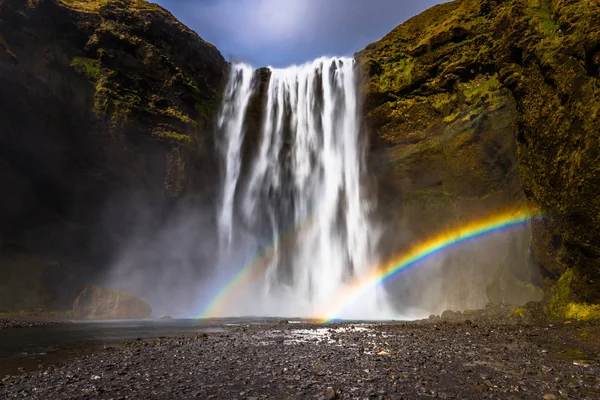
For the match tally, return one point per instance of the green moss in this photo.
(451, 118)
(478, 89)
(562, 304)
(87, 67)
(175, 113)
(582, 312)
(541, 17)
(116, 104)
(93, 6)
(174, 137)
(519, 312)
(397, 75)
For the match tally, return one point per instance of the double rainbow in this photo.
(355, 289)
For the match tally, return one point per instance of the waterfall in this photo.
(300, 190)
(231, 121)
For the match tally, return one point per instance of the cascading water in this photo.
(303, 180)
(231, 121)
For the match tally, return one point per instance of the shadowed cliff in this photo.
(107, 111)
(107, 114)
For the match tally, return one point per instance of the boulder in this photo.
(99, 303)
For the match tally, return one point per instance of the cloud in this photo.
(283, 32)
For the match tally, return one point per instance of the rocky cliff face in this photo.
(106, 111)
(475, 106)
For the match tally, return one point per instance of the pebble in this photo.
(265, 361)
(12, 323)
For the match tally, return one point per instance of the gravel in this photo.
(340, 361)
(6, 323)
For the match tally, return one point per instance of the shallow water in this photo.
(29, 348)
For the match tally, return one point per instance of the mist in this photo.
(294, 218)
(170, 265)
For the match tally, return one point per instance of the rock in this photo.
(166, 317)
(442, 101)
(550, 396)
(330, 394)
(450, 315)
(481, 388)
(283, 322)
(99, 303)
(115, 116)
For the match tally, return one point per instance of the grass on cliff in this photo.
(87, 67)
(174, 137)
(92, 6)
(542, 17)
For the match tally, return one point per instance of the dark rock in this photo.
(99, 303)
(107, 113)
(450, 315)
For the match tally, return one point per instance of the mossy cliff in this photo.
(106, 110)
(478, 105)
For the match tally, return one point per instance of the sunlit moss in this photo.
(87, 67)
(582, 312)
(172, 112)
(561, 305)
(477, 88)
(519, 312)
(96, 5)
(528, 66)
(174, 137)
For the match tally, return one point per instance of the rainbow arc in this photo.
(351, 292)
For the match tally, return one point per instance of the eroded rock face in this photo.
(107, 110)
(477, 106)
(99, 303)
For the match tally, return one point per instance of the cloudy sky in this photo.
(285, 32)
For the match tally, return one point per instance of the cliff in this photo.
(475, 106)
(107, 110)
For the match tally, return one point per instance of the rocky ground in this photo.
(440, 359)
(6, 323)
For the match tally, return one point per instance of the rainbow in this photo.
(355, 289)
(251, 271)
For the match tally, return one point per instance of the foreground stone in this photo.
(468, 360)
(99, 303)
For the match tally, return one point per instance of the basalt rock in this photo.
(99, 303)
(478, 106)
(107, 110)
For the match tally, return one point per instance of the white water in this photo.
(231, 121)
(303, 184)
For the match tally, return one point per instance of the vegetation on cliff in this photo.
(107, 113)
(475, 99)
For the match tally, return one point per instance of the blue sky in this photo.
(284, 32)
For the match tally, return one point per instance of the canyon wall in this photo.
(106, 112)
(108, 109)
(475, 106)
